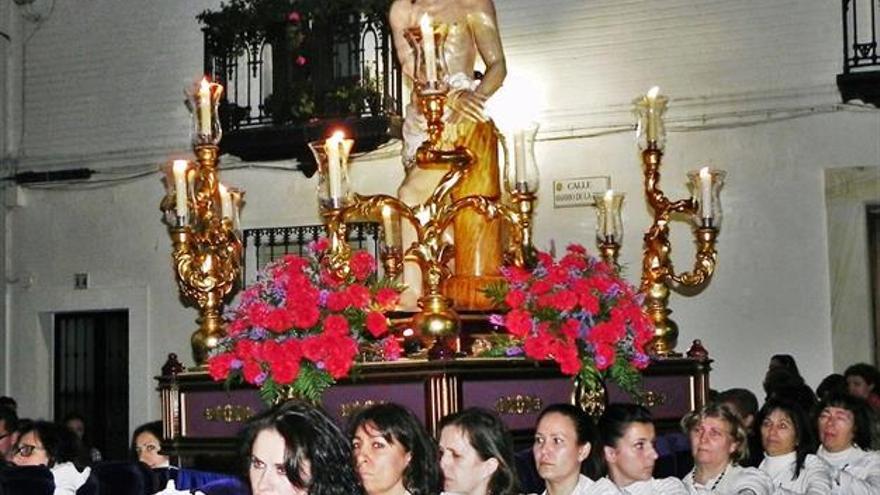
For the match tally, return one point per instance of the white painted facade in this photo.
(98, 84)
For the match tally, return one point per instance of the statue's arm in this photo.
(484, 25)
(398, 19)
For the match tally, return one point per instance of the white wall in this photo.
(752, 89)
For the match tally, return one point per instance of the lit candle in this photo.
(225, 202)
(428, 48)
(204, 108)
(333, 148)
(519, 157)
(179, 168)
(652, 124)
(706, 192)
(391, 224)
(608, 226)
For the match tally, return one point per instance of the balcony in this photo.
(292, 73)
(860, 79)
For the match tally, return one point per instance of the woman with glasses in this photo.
(719, 442)
(146, 445)
(296, 449)
(41, 443)
(845, 434)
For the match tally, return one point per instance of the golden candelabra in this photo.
(658, 274)
(203, 223)
(436, 320)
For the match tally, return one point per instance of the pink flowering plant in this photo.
(578, 312)
(300, 327)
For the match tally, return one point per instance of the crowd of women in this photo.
(297, 449)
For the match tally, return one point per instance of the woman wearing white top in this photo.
(845, 432)
(626, 433)
(787, 439)
(564, 438)
(719, 442)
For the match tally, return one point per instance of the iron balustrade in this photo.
(264, 245)
(859, 35)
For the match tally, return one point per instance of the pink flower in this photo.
(300, 60)
(294, 17)
(391, 349)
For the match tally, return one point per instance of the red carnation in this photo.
(335, 325)
(515, 298)
(566, 354)
(377, 324)
(577, 249)
(518, 322)
(219, 365)
(538, 346)
(517, 275)
(306, 316)
(338, 301)
(604, 356)
(279, 320)
(572, 261)
(340, 355)
(589, 302)
(251, 371)
(361, 265)
(387, 298)
(391, 349)
(570, 328)
(564, 300)
(358, 295)
(540, 287)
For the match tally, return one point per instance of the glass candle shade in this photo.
(428, 42)
(334, 190)
(609, 225)
(204, 103)
(705, 185)
(649, 110)
(521, 173)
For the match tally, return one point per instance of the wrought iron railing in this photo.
(264, 245)
(340, 67)
(860, 35)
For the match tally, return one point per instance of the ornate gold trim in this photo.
(228, 413)
(519, 404)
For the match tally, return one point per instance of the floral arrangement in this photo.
(578, 312)
(300, 327)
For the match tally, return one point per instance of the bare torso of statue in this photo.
(472, 32)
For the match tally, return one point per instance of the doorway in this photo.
(91, 376)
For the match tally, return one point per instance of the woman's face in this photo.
(29, 451)
(632, 457)
(712, 442)
(380, 463)
(778, 435)
(557, 453)
(464, 472)
(147, 447)
(267, 472)
(837, 428)
(858, 386)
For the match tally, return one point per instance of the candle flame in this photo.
(609, 195)
(222, 189)
(337, 137)
(425, 24)
(179, 167)
(705, 174)
(204, 87)
(653, 92)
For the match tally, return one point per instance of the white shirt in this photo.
(814, 479)
(854, 471)
(665, 486)
(67, 478)
(733, 480)
(582, 487)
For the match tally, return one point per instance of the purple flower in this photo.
(261, 378)
(513, 351)
(641, 360)
(496, 320)
(235, 364)
(258, 333)
(322, 297)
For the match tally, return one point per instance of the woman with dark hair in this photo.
(788, 442)
(393, 453)
(51, 445)
(845, 433)
(296, 449)
(146, 443)
(626, 432)
(719, 443)
(476, 454)
(565, 436)
(861, 381)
